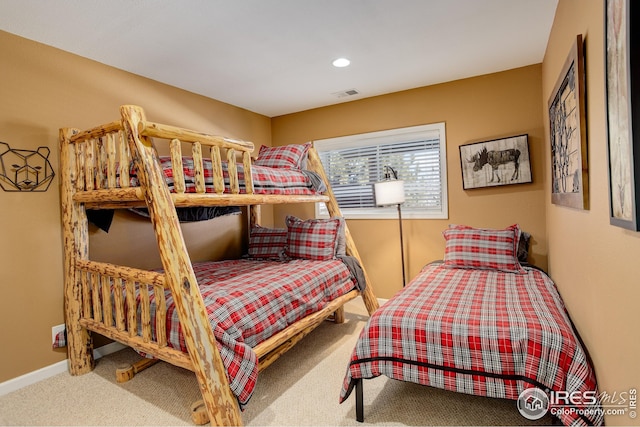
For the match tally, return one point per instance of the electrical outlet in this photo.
(55, 330)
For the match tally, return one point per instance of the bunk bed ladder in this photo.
(221, 404)
(314, 164)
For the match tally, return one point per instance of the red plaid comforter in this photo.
(249, 301)
(266, 180)
(479, 332)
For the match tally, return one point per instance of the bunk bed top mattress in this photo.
(266, 180)
(481, 332)
(249, 301)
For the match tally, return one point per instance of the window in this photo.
(354, 163)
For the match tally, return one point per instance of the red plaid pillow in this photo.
(267, 243)
(286, 156)
(313, 239)
(487, 249)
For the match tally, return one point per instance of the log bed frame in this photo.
(89, 179)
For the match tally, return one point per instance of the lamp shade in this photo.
(389, 192)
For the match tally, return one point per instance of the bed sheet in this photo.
(266, 180)
(479, 332)
(249, 301)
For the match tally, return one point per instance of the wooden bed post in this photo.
(255, 216)
(76, 246)
(314, 164)
(221, 404)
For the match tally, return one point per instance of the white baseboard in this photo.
(57, 368)
(108, 349)
(51, 370)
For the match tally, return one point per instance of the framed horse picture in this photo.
(496, 162)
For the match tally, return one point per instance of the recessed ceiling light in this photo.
(341, 62)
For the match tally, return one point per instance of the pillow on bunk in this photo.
(313, 239)
(267, 243)
(481, 248)
(286, 156)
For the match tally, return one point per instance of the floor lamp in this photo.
(391, 192)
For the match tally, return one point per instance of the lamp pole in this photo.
(404, 280)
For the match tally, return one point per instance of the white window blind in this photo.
(354, 163)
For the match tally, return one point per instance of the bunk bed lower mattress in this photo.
(248, 301)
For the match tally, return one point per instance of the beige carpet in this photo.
(300, 389)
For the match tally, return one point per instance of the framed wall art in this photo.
(623, 104)
(496, 162)
(568, 133)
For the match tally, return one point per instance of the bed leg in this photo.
(199, 414)
(338, 315)
(125, 373)
(359, 401)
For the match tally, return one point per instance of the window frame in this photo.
(386, 137)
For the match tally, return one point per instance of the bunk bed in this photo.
(180, 313)
(480, 322)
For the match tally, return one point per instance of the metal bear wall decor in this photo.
(25, 170)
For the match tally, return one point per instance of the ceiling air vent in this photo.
(342, 94)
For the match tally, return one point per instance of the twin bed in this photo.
(480, 323)
(477, 323)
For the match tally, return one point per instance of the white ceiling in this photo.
(274, 57)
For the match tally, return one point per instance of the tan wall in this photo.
(593, 263)
(475, 109)
(43, 89)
